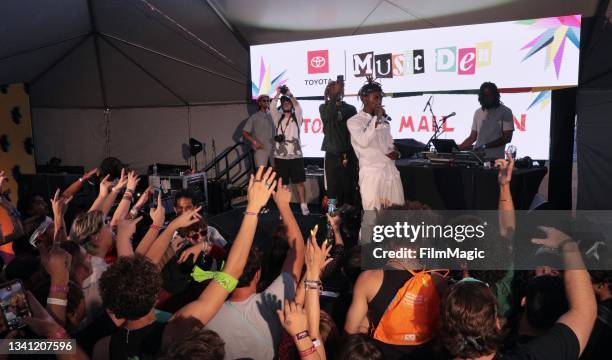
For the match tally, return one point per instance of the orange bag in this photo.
(412, 316)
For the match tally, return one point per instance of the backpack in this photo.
(412, 316)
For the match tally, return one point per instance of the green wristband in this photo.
(226, 281)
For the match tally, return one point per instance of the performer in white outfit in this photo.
(379, 180)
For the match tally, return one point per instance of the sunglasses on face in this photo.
(196, 235)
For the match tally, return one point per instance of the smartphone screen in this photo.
(13, 306)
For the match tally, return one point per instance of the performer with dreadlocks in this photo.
(493, 124)
(340, 159)
(379, 180)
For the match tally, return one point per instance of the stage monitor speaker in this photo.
(408, 147)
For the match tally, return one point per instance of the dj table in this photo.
(445, 187)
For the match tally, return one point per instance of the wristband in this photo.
(62, 289)
(228, 282)
(316, 343)
(54, 301)
(252, 213)
(155, 227)
(311, 350)
(59, 334)
(301, 335)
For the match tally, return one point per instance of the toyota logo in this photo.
(317, 62)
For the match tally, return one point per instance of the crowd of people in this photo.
(130, 283)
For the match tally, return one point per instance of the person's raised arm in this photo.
(582, 312)
(109, 201)
(158, 216)
(160, 245)
(124, 205)
(294, 262)
(507, 218)
(294, 320)
(76, 186)
(105, 185)
(125, 230)
(316, 260)
(57, 264)
(42, 324)
(59, 204)
(260, 188)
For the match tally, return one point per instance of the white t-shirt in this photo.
(291, 148)
(490, 125)
(251, 328)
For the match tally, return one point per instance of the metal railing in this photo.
(237, 178)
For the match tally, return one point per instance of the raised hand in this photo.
(126, 228)
(132, 180)
(187, 218)
(144, 197)
(554, 238)
(194, 250)
(105, 185)
(293, 318)
(316, 257)
(505, 169)
(158, 214)
(261, 186)
(57, 264)
(282, 195)
(59, 204)
(91, 173)
(122, 182)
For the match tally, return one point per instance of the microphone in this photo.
(448, 116)
(428, 103)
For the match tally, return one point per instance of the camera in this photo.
(279, 138)
(284, 89)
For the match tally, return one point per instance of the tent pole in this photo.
(59, 60)
(166, 56)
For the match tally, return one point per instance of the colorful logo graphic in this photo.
(266, 85)
(557, 31)
(318, 62)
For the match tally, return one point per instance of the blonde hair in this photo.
(84, 226)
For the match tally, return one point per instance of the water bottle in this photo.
(331, 208)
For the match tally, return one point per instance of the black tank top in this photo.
(143, 343)
(393, 280)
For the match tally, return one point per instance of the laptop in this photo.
(445, 145)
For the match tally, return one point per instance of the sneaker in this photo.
(305, 210)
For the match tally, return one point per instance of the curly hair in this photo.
(468, 321)
(201, 344)
(250, 269)
(130, 286)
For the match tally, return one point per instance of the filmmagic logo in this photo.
(318, 62)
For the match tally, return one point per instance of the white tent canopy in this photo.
(155, 53)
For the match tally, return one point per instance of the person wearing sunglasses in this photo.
(259, 132)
